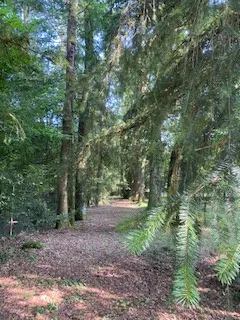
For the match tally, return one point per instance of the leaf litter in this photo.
(86, 273)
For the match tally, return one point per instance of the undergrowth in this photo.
(32, 245)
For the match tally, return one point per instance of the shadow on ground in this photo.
(86, 273)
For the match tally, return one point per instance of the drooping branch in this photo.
(114, 131)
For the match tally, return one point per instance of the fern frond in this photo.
(139, 240)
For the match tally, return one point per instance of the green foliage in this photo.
(124, 303)
(139, 240)
(223, 180)
(73, 298)
(52, 307)
(49, 283)
(13, 41)
(228, 266)
(71, 282)
(46, 283)
(32, 245)
(49, 308)
(7, 254)
(39, 310)
(132, 221)
(175, 66)
(23, 197)
(223, 222)
(185, 284)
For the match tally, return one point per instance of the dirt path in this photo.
(86, 273)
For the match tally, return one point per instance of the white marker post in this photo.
(12, 222)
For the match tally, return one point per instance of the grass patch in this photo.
(75, 298)
(49, 308)
(32, 245)
(123, 303)
(27, 296)
(143, 204)
(46, 283)
(71, 283)
(50, 282)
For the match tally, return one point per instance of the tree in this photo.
(193, 52)
(67, 126)
(85, 104)
(29, 136)
(162, 77)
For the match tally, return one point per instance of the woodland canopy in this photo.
(138, 99)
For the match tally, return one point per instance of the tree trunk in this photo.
(173, 186)
(79, 203)
(174, 172)
(155, 170)
(137, 181)
(99, 183)
(100, 169)
(72, 191)
(67, 125)
(155, 184)
(84, 107)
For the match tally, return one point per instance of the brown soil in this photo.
(86, 273)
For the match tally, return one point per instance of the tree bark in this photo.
(174, 172)
(174, 185)
(155, 164)
(84, 108)
(138, 184)
(99, 177)
(136, 178)
(79, 174)
(67, 122)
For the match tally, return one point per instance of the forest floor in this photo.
(86, 273)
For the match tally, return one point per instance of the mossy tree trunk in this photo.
(66, 153)
(155, 167)
(137, 181)
(174, 172)
(84, 110)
